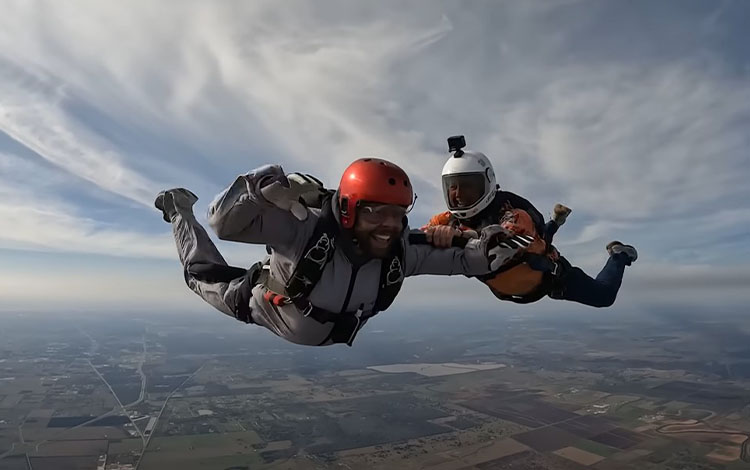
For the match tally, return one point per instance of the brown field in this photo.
(278, 445)
(444, 451)
(10, 401)
(676, 405)
(579, 455)
(20, 384)
(580, 397)
(72, 448)
(85, 433)
(587, 426)
(202, 447)
(6, 441)
(39, 417)
(529, 412)
(618, 437)
(199, 462)
(14, 463)
(727, 442)
(618, 400)
(36, 434)
(480, 453)
(64, 463)
(125, 446)
(455, 458)
(509, 461)
(725, 454)
(547, 439)
(699, 436)
(646, 427)
(632, 455)
(435, 370)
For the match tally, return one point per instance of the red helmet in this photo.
(372, 180)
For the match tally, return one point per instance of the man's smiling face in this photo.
(378, 227)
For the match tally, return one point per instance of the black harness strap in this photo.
(391, 279)
(318, 252)
(214, 272)
(346, 325)
(309, 269)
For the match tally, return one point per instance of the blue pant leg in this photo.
(600, 292)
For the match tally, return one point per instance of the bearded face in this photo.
(377, 227)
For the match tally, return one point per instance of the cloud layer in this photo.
(640, 126)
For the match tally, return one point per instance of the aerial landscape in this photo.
(531, 391)
(197, 198)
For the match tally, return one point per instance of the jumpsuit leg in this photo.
(600, 292)
(198, 255)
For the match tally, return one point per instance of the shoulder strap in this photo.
(318, 252)
(309, 270)
(391, 278)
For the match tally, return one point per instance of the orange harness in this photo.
(517, 277)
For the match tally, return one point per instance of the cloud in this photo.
(31, 113)
(44, 225)
(643, 136)
(34, 218)
(309, 85)
(299, 81)
(315, 86)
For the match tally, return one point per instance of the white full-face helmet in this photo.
(469, 183)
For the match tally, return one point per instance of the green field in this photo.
(595, 448)
(203, 451)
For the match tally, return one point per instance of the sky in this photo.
(635, 115)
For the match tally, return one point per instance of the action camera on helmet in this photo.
(455, 144)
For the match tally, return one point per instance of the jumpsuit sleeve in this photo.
(426, 259)
(240, 213)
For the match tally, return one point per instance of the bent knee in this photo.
(605, 301)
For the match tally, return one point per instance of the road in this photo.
(161, 411)
(120, 408)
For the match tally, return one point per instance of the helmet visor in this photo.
(464, 190)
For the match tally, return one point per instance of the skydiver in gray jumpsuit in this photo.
(265, 206)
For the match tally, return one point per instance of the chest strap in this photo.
(345, 324)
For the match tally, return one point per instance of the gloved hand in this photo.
(294, 192)
(441, 236)
(501, 245)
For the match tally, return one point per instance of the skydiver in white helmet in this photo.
(475, 201)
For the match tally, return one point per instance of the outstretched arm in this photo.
(426, 259)
(479, 256)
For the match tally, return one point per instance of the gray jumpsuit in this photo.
(240, 213)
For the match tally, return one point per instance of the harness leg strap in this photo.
(242, 310)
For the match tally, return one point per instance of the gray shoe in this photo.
(560, 213)
(616, 247)
(168, 201)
